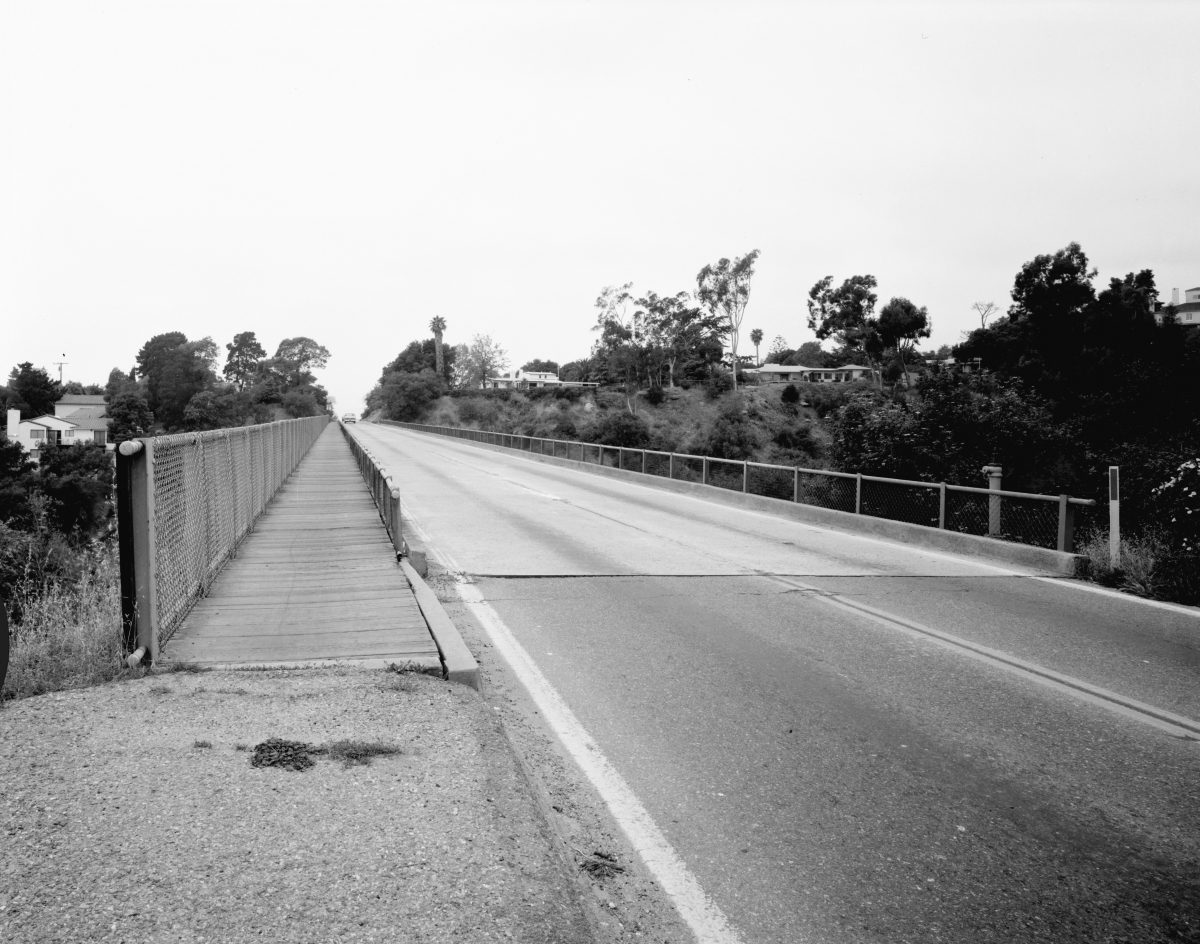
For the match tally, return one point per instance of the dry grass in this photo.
(1140, 556)
(69, 636)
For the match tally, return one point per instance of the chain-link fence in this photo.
(1039, 520)
(192, 498)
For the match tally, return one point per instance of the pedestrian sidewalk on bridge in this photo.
(316, 579)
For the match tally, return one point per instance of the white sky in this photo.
(347, 171)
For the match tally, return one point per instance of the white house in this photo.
(781, 373)
(1187, 312)
(523, 379)
(78, 419)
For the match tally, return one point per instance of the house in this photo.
(524, 379)
(783, 373)
(78, 419)
(1187, 312)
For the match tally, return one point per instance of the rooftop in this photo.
(82, 399)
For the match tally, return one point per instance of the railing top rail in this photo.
(999, 493)
(176, 439)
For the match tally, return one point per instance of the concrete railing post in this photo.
(1066, 525)
(995, 479)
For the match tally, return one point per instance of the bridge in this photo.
(808, 728)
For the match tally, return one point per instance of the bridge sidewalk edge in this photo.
(460, 665)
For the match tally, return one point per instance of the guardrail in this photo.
(184, 504)
(381, 485)
(1020, 517)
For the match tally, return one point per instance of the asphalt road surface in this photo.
(825, 765)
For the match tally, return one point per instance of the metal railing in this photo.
(184, 504)
(382, 486)
(1021, 517)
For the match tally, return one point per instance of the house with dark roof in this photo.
(78, 419)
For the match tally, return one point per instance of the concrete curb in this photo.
(1040, 559)
(460, 665)
(373, 663)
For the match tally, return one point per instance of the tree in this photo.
(79, 480)
(811, 354)
(484, 359)
(539, 366)
(217, 409)
(756, 337)
(460, 374)
(438, 326)
(404, 396)
(612, 306)
(777, 348)
(984, 310)
(32, 391)
(175, 370)
(846, 313)
(901, 326)
(724, 289)
(244, 355)
(16, 471)
(129, 416)
(677, 330)
(301, 356)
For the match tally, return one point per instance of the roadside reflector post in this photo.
(1114, 517)
(995, 479)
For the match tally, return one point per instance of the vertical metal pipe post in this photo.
(795, 485)
(745, 477)
(643, 462)
(671, 466)
(995, 480)
(858, 493)
(942, 505)
(704, 471)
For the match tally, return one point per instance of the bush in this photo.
(622, 429)
(797, 439)
(719, 382)
(298, 404)
(731, 436)
(78, 481)
(790, 395)
(655, 395)
(1179, 506)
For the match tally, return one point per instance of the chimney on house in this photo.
(1174, 296)
(14, 425)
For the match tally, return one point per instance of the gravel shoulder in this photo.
(118, 824)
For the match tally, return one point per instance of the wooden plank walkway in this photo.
(316, 579)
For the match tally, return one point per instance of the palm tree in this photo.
(756, 337)
(437, 326)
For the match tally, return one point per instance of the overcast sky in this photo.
(346, 171)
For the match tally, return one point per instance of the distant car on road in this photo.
(349, 418)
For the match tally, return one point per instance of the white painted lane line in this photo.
(700, 912)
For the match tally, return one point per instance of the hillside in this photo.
(752, 423)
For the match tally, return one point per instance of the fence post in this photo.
(704, 471)
(994, 474)
(795, 485)
(671, 466)
(139, 596)
(1114, 517)
(942, 506)
(858, 493)
(745, 477)
(620, 457)
(643, 462)
(1066, 525)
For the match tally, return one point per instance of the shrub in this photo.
(622, 429)
(1178, 500)
(719, 382)
(655, 395)
(298, 403)
(731, 436)
(405, 396)
(790, 395)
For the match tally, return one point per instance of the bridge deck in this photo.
(316, 579)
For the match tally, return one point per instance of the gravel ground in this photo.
(117, 824)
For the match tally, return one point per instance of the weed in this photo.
(202, 744)
(1140, 557)
(160, 689)
(405, 684)
(241, 747)
(600, 864)
(358, 752)
(414, 668)
(275, 752)
(69, 635)
(230, 691)
(190, 667)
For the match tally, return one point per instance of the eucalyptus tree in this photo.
(724, 289)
